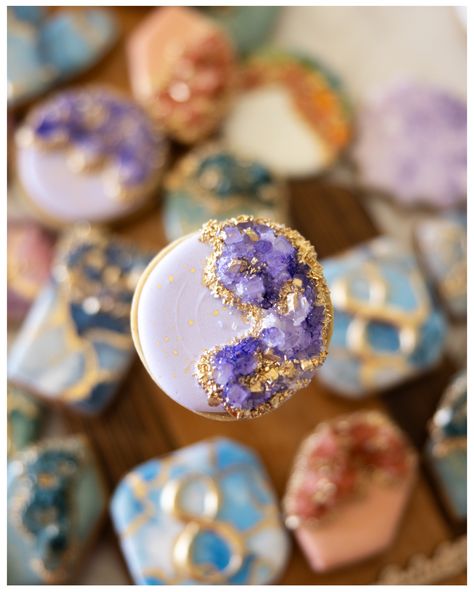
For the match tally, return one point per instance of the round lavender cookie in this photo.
(89, 155)
(412, 143)
(231, 320)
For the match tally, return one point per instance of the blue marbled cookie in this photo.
(386, 327)
(45, 49)
(211, 182)
(75, 345)
(213, 513)
(442, 247)
(56, 502)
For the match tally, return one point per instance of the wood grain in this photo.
(144, 423)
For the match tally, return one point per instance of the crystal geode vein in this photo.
(271, 274)
(101, 130)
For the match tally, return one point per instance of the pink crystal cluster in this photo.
(340, 456)
(200, 79)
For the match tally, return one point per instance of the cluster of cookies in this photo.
(236, 314)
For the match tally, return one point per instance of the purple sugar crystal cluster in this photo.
(105, 129)
(262, 268)
(412, 142)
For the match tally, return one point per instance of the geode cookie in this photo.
(57, 501)
(213, 511)
(88, 155)
(182, 68)
(411, 144)
(232, 320)
(348, 489)
(211, 182)
(290, 114)
(386, 327)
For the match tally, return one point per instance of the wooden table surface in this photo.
(144, 423)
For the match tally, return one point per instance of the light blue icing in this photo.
(246, 501)
(43, 50)
(350, 373)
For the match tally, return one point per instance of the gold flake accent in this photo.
(190, 322)
(171, 279)
(213, 233)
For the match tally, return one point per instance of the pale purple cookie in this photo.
(412, 144)
(89, 155)
(230, 321)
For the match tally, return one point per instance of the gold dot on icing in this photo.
(215, 312)
(171, 279)
(173, 375)
(175, 352)
(193, 270)
(190, 322)
(159, 286)
(166, 339)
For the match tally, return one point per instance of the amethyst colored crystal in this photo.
(255, 264)
(103, 127)
(412, 144)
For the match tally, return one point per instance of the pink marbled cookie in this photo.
(348, 490)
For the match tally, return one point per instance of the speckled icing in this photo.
(349, 486)
(386, 327)
(182, 69)
(56, 500)
(263, 326)
(442, 246)
(44, 49)
(74, 346)
(211, 182)
(290, 114)
(29, 255)
(24, 415)
(446, 449)
(412, 144)
(212, 510)
(89, 155)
